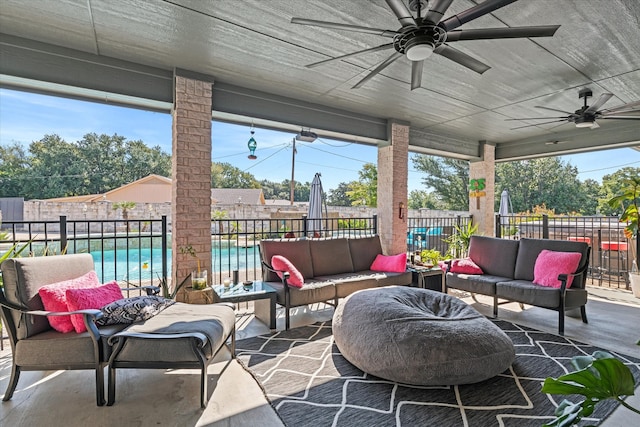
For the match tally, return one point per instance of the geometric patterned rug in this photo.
(309, 383)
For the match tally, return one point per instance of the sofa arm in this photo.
(199, 338)
(149, 289)
(285, 275)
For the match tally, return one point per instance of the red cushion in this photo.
(81, 299)
(465, 266)
(390, 263)
(280, 263)
(550, 264)
(54, 298)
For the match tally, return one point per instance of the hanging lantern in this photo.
(252, 144)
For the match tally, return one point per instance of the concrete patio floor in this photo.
(171, 398)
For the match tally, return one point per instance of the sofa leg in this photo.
(13, 382)
(111, 394)
(287, 318)
(233, 342)
(495, 307)
(583, 313)
(561, 323)
(100, 385)
(204, 392)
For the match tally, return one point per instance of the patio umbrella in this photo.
(314, 217)
(505, 208)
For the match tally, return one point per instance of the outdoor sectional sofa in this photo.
(181, 336)
(332, 269)
(508, 267)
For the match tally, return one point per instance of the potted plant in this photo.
(199, 276)
(597, 377)
(628, 200)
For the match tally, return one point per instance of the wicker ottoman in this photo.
(421, 337)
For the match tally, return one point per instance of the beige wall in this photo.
(146, 192)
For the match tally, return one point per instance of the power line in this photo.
(610, 167)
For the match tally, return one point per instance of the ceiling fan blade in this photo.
(538, 124)
(554, 109)
(416, 74)
(461, 58)
(384, 64)
(402, 12)
(347, 27)
(502, 33)
(599, 103)
(437, 11)
(632, 106)
(349, 55)
(537, 118)
(470, 14)
(621, 117)
(595, 125)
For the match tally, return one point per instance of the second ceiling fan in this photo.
(421, 36)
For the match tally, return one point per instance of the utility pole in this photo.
(293, 165)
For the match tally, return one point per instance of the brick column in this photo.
(482, 207)
(393, 158)
(191, 171)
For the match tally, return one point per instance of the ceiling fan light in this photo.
(584, 124)
(419, 52)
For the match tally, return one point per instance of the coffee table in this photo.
(422, 274)
(262, 295)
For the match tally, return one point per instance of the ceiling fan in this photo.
(586, 116)
(420, 36)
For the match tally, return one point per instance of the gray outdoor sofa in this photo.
(508, 267)
(181, 336)
(332, 269)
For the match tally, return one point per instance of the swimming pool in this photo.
(142, 264)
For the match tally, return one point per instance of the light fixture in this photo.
(419, 52)
(252, 144)
(306, 136)
(582, 122)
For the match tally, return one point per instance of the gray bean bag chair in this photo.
(421, 337)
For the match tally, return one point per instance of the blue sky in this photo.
(26, 117)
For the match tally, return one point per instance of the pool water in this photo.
(146, 263)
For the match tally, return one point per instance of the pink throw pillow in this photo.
(280, 263)
(54, 298)
(390, 263)
(465, 266)
(550, 264)
(81, 299)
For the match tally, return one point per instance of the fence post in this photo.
(164, 249)
(63, 234)
(498, 227)
(375, 223)
(545, 226)
(304, 225)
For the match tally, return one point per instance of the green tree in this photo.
(590, 193)
(53, 169)
(365, 191)
(338, 196)
(449, 179)
(612, 185)
(548, 181)
(423, 199)
(13, 167)
(225, 175)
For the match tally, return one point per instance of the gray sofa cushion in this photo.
(23, 277)
(387, 279)
(417, 336)
(349, 283)
(312, 292)
(496, 257)
(296, 251)
(531, 248)
(528, 293)
(484, 284)
(216, 321)
(66, 351)
(363, 251)
(330, 256)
